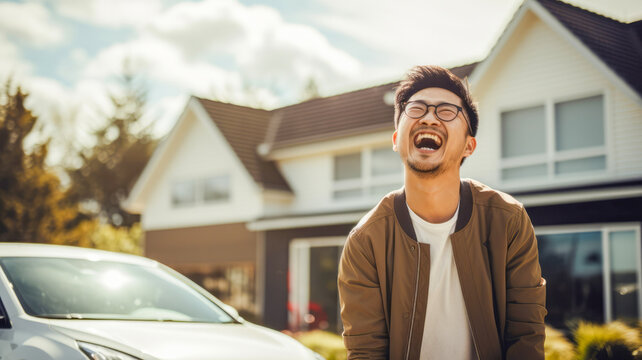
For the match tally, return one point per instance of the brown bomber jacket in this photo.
(384, 273)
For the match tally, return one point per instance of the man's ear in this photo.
(471, 144)
(394, 141)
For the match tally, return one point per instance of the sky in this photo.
(69, 54)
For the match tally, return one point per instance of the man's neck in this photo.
(434, 199)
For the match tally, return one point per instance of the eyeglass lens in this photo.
(445, 112)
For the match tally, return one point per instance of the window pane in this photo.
(624, 275)
(523, 132)
(216, 188)
(381, 190)
(579, 123)
(323, 305)
(347, 166)
(350, 193)
(579, 165)
(183, 192)
(522, 172)
(572, 266)
(385, 161)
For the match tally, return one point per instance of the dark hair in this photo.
(421, 77)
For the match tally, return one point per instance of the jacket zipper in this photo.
(414, 301)
(472, 335)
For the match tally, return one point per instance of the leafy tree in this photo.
(33, 205)
(311, 90)
(110, 168)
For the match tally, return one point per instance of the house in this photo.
(255, 205)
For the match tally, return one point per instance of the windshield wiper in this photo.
(72, 316)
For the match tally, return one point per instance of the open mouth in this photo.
(426, 141)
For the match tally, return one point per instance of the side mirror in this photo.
(4, 321)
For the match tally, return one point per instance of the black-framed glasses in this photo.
(444, 111)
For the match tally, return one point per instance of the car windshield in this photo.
(105, 290)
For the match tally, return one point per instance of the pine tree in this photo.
(110, 168)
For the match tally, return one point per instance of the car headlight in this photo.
(97, 352)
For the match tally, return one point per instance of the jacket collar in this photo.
(465, 209)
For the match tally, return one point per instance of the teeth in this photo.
(422, 136)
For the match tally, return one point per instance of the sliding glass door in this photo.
(593, 273)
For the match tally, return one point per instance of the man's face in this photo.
(429, 146)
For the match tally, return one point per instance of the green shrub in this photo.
(608, 341)
(557, 346)
(327, 344)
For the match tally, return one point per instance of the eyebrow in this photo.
(435, 102)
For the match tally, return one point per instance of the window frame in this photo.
(367, 181)
(299, 271)
(552, 156)
(605, 229)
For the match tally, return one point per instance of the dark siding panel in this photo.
(616, 210)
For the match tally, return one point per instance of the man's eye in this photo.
(416, 109)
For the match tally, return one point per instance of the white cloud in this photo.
(159, 61)
(10, 65)
(110, 13)
(268, 59)
(419, 32)
(200, 27)
(66, 113)
(266, 62)
(269, 52)
(30, 23)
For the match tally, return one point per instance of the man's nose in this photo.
(430, 118)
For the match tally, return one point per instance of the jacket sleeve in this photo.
(365, 333)
(525, 293)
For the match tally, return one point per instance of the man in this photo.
(443, 268)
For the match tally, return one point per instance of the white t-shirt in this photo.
(446, 329)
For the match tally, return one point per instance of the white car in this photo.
(67, 303)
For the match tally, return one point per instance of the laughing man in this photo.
(444, 268)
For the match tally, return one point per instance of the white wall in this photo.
(537, 66)
(198, 150)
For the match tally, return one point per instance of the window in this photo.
(569, 141)
(208, 190)
(216, 188)
(591, 274)
(184, 193)
(372, 172)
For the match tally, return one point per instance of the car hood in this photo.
(185, 341)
